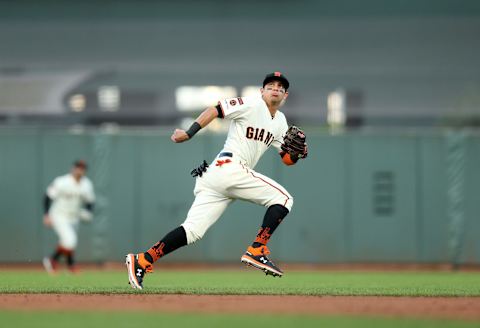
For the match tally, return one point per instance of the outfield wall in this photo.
(359, 197)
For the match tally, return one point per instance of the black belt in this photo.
(225, 154)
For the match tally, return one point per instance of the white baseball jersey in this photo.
(231, 175)
(68, 196)
(252, 129)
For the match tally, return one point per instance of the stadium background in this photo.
(398, 184)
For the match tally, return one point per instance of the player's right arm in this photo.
(232, 108)
(207, 116)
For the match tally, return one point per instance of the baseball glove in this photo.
(294, 142)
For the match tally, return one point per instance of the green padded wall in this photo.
(359, 197)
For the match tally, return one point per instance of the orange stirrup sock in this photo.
(272, 219)
(263, 236)
(172, 240)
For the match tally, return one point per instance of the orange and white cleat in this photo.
(137, 267)
(257, 258)
(50, 265)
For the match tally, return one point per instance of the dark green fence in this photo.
(359, 197)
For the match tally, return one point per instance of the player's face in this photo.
(78, 172)
(274, 93)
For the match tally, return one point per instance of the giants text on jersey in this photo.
(252, 128)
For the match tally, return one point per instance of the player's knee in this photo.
(289, 203)
(192, 232)
(283, 201)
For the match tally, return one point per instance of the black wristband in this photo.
(194, 128)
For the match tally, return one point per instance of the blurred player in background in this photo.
(256, 124)
(69, 199)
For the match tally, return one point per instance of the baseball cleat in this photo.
(136, 271)
(50, 265)
(257, 258)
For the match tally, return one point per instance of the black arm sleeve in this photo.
(219, 111)
(47, 202)
(89, 206)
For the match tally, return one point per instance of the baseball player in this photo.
(256, 124)
(68, 199)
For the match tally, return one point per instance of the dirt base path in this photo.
(467, 308)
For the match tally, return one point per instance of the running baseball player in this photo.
(68, 199)
(256, 124)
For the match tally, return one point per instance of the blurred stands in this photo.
(408, 63)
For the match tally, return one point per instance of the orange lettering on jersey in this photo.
(220, 162)
(240, 100)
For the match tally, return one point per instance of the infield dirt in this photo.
(466, 308)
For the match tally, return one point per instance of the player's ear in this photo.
(286, 95)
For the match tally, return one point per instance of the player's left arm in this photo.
(204, 119)
(294, 146)
(287, 159)
(86, 212)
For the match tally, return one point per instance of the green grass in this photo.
(249, 281)
(242, 282)
(118, 320)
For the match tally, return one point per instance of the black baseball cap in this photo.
(278, 76)
(80, 163)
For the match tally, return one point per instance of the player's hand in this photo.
(179, 136)
(85, 215)
(47, 221)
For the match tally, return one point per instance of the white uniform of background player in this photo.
(256, 124)
(69, 199)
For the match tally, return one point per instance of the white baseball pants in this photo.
(66, 231)
(225, 181)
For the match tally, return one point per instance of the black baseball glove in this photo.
(294, 142)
